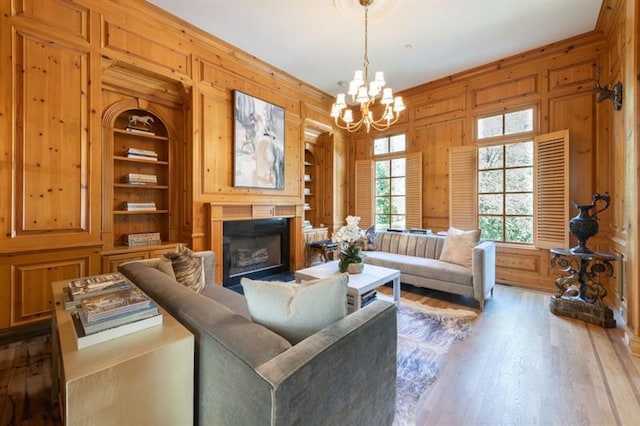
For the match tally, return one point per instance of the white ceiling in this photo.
(321, 42)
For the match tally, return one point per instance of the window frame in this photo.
(503, 140)
(504, 191)
(388, 156)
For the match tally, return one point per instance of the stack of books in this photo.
(144, 239)
(101, 317)
(365, 299)
(141, 154)
(141, 179)
(80, 289)
(136, 206)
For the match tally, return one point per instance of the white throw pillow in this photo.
(296, 311)
(458, 246)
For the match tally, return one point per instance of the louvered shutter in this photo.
(364, 196)
(413, 195)
(551, 194)
(462, 187)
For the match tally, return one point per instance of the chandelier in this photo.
(366, 93)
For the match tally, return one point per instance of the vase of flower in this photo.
(351, 240)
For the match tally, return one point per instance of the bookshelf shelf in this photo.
(141, 154)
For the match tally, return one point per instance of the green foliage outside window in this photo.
(390, 173)
(505, 192)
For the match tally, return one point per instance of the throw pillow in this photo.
(296, 311)
(458, 246)
(370, 235)
(188, 268)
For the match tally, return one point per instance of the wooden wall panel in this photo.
(572, 74)
(26, 292)
(438, 107)
(576, 113)
(434, 142)
(51, 171)
(502, 92)
(63, 16)
(216, 159)
(147, 48)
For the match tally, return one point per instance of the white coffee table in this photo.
(371, 278)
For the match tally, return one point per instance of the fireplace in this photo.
(254, 249)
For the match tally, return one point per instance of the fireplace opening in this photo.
(254, 249)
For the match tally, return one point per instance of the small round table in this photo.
(580, 291)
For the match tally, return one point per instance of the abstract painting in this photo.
(258, 143)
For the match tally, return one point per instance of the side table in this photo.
(580, 292)
(144, 378)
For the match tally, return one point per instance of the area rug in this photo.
(424, 335)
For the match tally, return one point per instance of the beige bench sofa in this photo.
(417, 256)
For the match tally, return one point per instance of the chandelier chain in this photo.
(366, 93)
(366, 43)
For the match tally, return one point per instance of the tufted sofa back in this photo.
(428, 246)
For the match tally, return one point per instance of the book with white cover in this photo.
(91, 327)
(84, 341)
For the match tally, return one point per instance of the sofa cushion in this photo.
(296, 311)
(422, 267)
(229, 298)
(188, 268)
(458, 246)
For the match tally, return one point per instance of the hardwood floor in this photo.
(522, 365)
(25, 383)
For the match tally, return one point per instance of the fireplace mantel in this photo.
(219, 213)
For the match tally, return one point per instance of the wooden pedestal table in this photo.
(580, 292)
(144, 378)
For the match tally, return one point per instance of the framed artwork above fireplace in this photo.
(258, 138)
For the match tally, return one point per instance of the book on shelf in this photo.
(134, 206)
(139, 151)
(112, 304)
(141, 157)
(141, 178)
(139, 131)
(90, 327)
(84, 340)
(97, 285)
(143, 239)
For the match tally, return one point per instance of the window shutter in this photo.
(413, 195)
(462, 187)
(364, 196)
(551, 195)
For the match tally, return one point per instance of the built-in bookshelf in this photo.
(309, 178)
(141, 179)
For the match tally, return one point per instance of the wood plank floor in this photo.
(522, 365)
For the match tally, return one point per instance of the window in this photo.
(505, 192)
(506, 124)
(390, 182)
(505, 179)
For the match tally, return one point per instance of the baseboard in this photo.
(15, 334)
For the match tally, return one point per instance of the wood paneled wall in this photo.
(557, 80)
(66, 62)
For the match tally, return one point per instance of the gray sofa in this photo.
(247, 375)
(417, 257)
